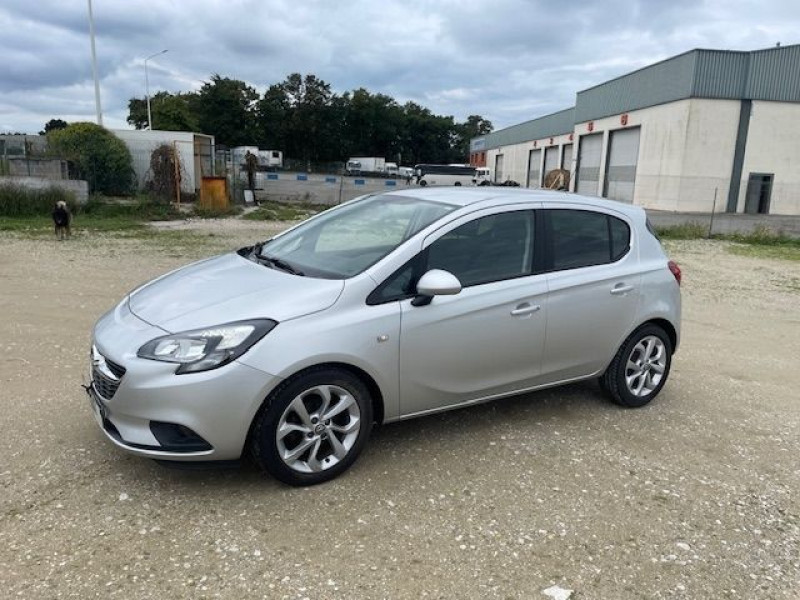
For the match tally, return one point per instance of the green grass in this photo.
(685, 231)
(782, 252)
(276, 211)
(216, 213)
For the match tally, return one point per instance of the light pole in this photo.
(94, 69)
(147, 88)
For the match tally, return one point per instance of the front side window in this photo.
(347, 240)
(487, 249)
(582, 238)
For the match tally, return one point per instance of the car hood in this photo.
(229, 288)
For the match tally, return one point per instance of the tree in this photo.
(99, 156)
(225, 108)
(474, 126)
(53, 125)
(310, 124)
(170, 112)
(272, 115)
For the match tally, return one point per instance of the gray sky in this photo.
(508, 60)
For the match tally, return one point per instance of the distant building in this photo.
(668, 135)
(195, 152)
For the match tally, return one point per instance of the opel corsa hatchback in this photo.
(385, 308)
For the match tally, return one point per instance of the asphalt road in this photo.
(694, 496)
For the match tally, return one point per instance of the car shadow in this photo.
(422, 439)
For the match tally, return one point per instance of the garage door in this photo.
(623, 152)
(550, 159)
(566, 159)
(535, 168)
(590, 149)
(498, 168)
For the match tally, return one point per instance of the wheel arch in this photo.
(668, 327)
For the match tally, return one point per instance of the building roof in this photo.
(768, 74)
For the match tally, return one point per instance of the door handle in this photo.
(525, 309)
(620, 289)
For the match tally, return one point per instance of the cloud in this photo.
(508, 60)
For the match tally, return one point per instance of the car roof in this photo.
(498, 196)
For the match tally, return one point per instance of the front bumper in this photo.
(216, 406)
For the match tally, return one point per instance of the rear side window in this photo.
(582, 238)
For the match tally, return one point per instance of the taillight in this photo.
(675, 270)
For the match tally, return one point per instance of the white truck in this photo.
(357, 165)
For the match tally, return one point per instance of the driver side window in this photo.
(484, 250)
(488, 249)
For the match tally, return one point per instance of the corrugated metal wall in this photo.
(662, 82)
(557, 123)
(771, 74)
(774, 75)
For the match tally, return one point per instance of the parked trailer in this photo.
(365, 164)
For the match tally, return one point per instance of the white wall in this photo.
(685, 152)
(515, 161)
(773, 146)
(141, 144)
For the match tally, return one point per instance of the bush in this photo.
(99, 156)
(145, 209)
(20, 201)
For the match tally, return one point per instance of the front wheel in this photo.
(457, 184)
(423, 183)
(313, 426)
(640, 368)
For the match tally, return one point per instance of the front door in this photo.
(489, 338)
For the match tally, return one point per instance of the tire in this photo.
(423, 183)
(309, 439)
(640, 367)
(457, 184)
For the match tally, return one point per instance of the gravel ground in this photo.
(694, 496)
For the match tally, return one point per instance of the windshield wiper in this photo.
(277, 262)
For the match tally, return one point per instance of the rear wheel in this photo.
(313, 426)
(640, 368)
(457, 184)
(423, 183)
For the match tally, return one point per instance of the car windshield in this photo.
(344, 241)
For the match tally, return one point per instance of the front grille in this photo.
(106, 375)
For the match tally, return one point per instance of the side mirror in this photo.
(435, 283)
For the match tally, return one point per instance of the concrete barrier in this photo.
(78, 187)
(320, 189)
(729, 222)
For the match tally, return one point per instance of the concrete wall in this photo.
(773, 146)
(48, 168)
(78, 187)
(729, 222)
(320, 189)
(141, 144)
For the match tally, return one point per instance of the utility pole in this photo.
(147, 89)
(94, 69)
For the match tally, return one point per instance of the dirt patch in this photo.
(694, 496)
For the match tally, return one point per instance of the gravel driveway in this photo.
(694, 496)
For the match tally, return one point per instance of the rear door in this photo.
(594, 282)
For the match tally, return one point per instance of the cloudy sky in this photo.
(508, 60)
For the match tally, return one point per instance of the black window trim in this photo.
(537, 264)
(549, 252)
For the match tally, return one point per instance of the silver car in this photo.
(385, 308)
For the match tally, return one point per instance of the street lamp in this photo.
(147, 88)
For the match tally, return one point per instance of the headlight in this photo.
(205, 349)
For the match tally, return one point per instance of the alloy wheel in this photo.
(318, 429)
(646, 365)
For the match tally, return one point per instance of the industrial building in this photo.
(671, 136)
